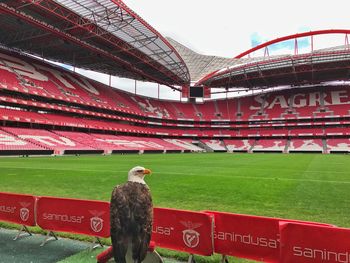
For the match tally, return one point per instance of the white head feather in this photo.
(137, 174)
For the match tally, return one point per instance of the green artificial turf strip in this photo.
(312, 187)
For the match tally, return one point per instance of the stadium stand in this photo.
(9, 142)
(35, 94)
(336, 131)
(273, 133)
(270, 146)
(215, 145)
(49, 140)
(306, 145)
(187, 145)
(306, 132)
(338, 145)
(239, 145)
(246, 111)
(135, 144)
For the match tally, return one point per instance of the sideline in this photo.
(27, 248)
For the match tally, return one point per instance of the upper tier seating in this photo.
(21, 116)
(207, 111)
(337, 101)
(273, 133)
(246, 111)
(337, 131)
(186, 111)
(152, 108)
(227, 109)
(305, 145)
(306, 132)
(276, 105)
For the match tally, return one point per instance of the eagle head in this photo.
(137, 174)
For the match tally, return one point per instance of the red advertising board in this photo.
(185, 231)
(314, 244)
(74, 216)
(17, 208)
(251, 237)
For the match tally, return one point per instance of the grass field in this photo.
(297, 186)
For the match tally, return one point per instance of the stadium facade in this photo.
(46, 109)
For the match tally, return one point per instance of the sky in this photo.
(228, 27)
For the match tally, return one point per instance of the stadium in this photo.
(86, 134)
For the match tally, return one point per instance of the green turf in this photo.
(297, 186)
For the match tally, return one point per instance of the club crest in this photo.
(190, 236)
(24, 212)
(96, 223)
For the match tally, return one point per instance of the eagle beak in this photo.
(147, 171)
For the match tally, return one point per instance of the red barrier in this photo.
(17, 208)
(314, 244)
(251, 237)
(185, 231)
(74, 216)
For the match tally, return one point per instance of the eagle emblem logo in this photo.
(96, 223)
(190, 236)
(24, 212)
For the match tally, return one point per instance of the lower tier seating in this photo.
(270, 145)
(10, 142)
(338, 145)
(306, 145)
(215, 145)
(239, 145)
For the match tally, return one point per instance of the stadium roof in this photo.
(104, 36)
(299, 69)
(200, 65)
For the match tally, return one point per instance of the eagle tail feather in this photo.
(120, 249)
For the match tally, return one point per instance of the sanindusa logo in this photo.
(7, 209)
(162, 230)
(248, 239)
(63, 218)
(321, 254)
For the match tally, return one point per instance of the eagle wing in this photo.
(142, 214)
(119, 215)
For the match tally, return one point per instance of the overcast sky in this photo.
(229, 27)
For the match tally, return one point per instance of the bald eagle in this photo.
(131, 216)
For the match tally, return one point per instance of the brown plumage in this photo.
(131, 217)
